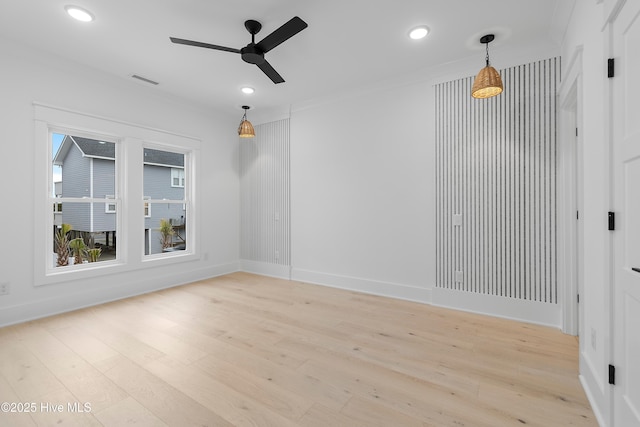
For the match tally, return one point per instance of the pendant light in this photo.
(245, 130)
(488, 82)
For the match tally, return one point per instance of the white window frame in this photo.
(51, 272)
(129, 139)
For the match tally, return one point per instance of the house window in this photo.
(82, 177)
(97, 181)
(147, 207)
(110, 206)
(167, 222)
(177, 177)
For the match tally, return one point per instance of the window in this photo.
(147, 207)
(98, 179)
(177, 177)
(166, 228)
(83, 172)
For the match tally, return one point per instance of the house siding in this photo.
(77, 173)
(157, 185)
(76, 183)
(103, 185)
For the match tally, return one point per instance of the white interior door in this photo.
(626, 170)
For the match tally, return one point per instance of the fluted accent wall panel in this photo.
(496, 185)
(264, 194)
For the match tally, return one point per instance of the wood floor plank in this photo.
(84, 344)
(248, 350)
(25, 373)
(373, 414)
(164, 401)
(319, 416)
(77, 375)
(55, 410)
(13, 416)
(278, 399)
(237, 408)
(128, 412)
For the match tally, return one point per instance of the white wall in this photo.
(362, 191)
(27, 76)
(363, 182)
(585, 40)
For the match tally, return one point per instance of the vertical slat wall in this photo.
(264, 194)
(496, 167)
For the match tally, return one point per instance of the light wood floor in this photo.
(246, 350)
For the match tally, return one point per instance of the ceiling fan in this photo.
(253, 53)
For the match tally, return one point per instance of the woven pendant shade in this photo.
(487, 84)
(245, 130)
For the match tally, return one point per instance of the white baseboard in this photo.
(65, 302)
(595, 388)
(508, 308)
(266, 269)
(592, 401)
(387, 289)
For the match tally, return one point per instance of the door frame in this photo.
(569, 164)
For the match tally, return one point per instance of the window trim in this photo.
(129, 139)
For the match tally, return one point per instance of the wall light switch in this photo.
(457, 220)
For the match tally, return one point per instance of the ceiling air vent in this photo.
(143, 79)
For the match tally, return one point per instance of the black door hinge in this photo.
(610, 67)
(612, 375)
(578, 298)
(612, 221)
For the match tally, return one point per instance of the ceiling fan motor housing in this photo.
(252, 54)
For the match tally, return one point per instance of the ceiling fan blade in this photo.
(285, 32)
(205, 45)
(270, 72)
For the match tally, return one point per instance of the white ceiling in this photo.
(348, 44)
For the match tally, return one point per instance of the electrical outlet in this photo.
(593, 338)
(459, 276)
(4, 288)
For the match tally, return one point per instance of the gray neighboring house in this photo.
(88, 170)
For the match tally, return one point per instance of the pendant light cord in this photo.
(487, 58)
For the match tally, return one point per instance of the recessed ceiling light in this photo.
(419, 32)
(248, 90)
(79, 13)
